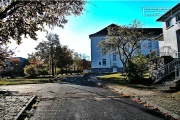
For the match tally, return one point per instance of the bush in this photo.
(5, 73)
(136, 69)
(31, 70)
(43, 71)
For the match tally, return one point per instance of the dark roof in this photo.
(169, 13)
(104, 32)
(160, 37)
(155, 31)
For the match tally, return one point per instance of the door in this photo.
(114, 69)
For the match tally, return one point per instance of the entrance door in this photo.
(114, 69)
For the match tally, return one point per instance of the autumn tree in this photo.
(18, 17)
(38, 66)
(80, 61)
(31, 71)
(5, 52)
(63, 56)
(52, 52)
(32, 59)
(125, 41)
(43, 49)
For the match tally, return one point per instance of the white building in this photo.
(169, 43)
(111, 62)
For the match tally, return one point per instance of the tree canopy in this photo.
(19, 17)
(50, 51)
(5, 52)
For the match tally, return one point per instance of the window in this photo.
(114, 57)
(178, 35)
(139, 48)
(149, 45)
(114, 64)
(168, 23)
(178, 17)
(104, 62)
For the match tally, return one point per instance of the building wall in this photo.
(8, 64)
(170, 37)
(148, 45)
(97, 57)
(111, 64)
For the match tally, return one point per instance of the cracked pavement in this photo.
(76, 98)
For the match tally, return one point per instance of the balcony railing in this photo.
(167, 51)
(177, 72)
(167, 69)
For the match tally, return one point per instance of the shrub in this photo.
(31, 70)
(137, 68)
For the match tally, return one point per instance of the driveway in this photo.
(76, 98)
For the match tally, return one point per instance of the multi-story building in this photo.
(170, 38)
(169, 45)
(111, 62)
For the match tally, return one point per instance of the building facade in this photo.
(111, 62)
(170, 38)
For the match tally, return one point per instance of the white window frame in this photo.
(104, 62)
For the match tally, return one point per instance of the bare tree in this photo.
(123, 40)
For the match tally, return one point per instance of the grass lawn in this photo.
(169, 101)
(17, 81)
(37, 80)
(119, 79)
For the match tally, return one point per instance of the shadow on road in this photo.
(78, 80)
(83, 81)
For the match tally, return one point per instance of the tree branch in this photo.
(4, 14)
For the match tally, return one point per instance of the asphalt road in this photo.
(78, 99)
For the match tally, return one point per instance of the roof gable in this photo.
(104, 31)
(169, 13)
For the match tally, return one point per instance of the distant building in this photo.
(13, 66)
(9, 61)
(111, 62)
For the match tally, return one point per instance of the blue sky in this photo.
(98, 15)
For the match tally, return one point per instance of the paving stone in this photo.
(12, 105)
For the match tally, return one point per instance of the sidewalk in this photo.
(167, 103)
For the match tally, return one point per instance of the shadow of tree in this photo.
(121, 81)
(7, 93)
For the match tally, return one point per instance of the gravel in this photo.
(10, 106)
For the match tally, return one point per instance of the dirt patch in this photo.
(169, 101)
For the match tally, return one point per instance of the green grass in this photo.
(17, 81)
(119, 79)
(27, 80)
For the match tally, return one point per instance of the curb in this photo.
(162, 110)
(25, 107)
